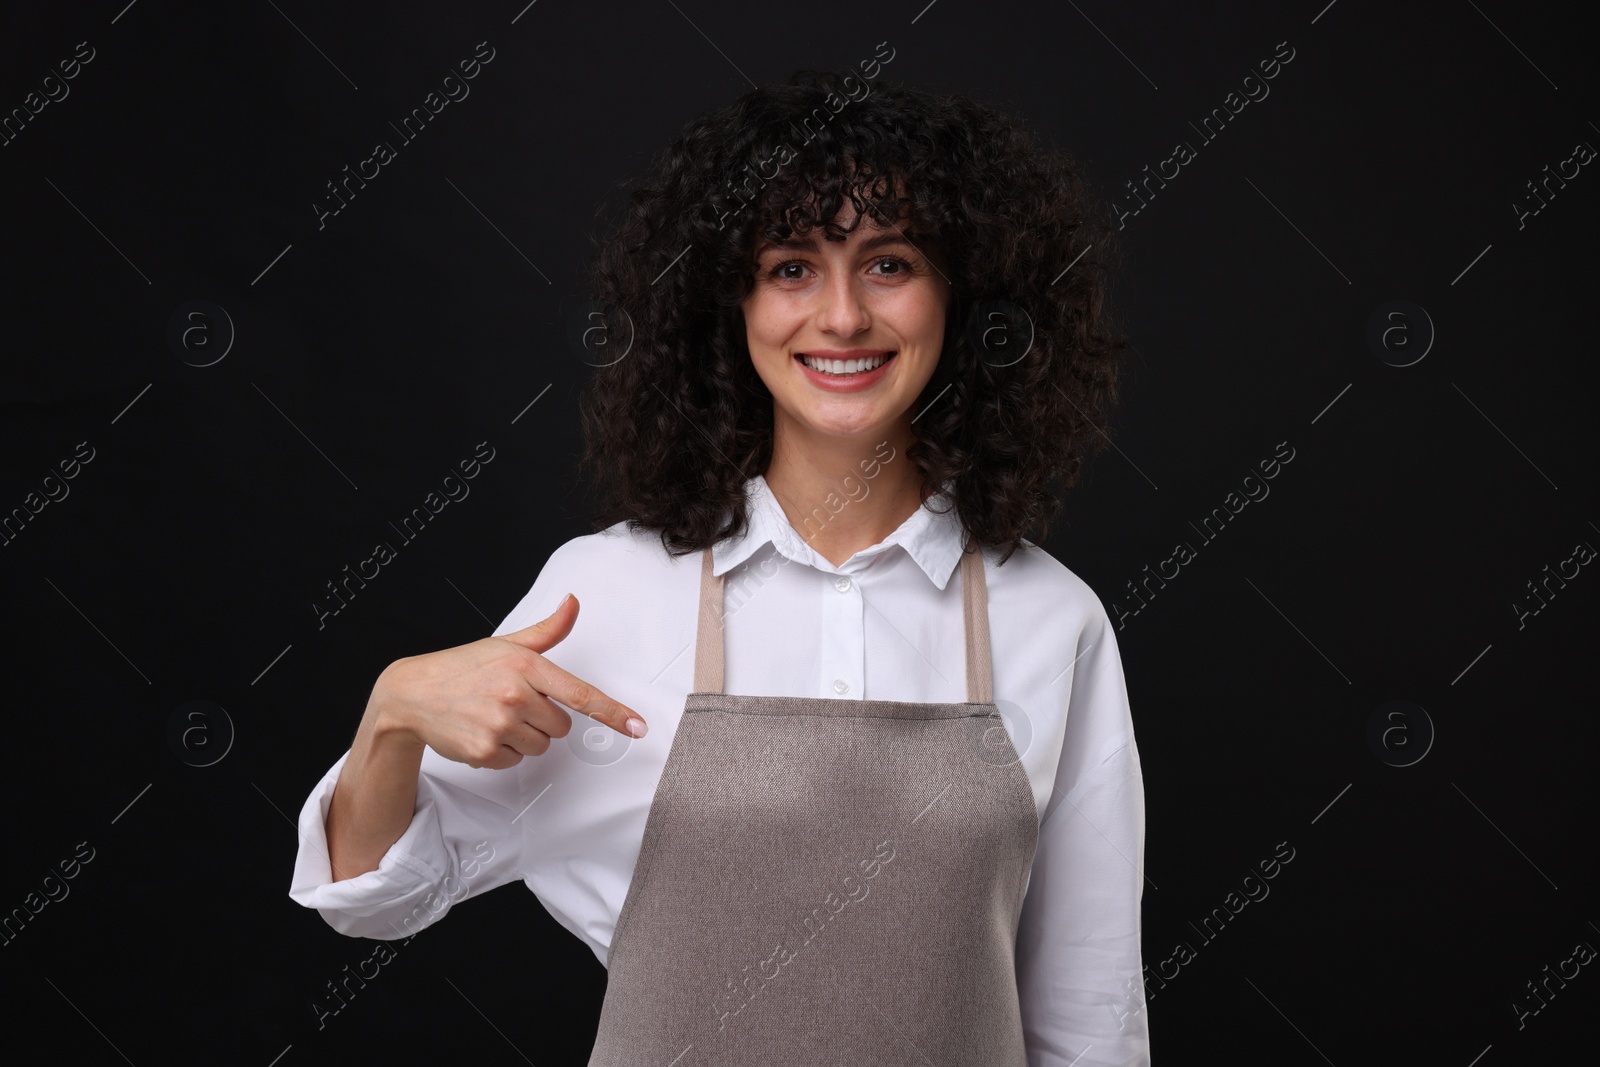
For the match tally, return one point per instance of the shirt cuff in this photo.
(387, 903)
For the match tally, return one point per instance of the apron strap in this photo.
(708, 646)
(708, 636)
(975, 619)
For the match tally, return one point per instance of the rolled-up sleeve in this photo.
(1079, 967)
(465, 838)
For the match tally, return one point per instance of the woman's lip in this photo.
(845, 383)
(858, 354)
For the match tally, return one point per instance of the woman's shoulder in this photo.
(615, 569)
(619, 552)
(1034, 577)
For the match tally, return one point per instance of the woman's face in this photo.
(869, 296)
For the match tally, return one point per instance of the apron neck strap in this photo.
(975, 619)
(708, 647)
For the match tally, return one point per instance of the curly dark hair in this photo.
(674, 429)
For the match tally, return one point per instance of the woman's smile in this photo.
(844, 371)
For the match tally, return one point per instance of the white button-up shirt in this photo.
(569, 823)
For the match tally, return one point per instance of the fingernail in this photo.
(563, 601)
(636, 727)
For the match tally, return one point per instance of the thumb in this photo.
(549, 632)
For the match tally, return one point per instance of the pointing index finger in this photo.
(584, 698)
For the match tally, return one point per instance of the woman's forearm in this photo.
(375, 796)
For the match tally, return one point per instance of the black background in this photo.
(372, 354)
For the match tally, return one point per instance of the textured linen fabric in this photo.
(884, 625)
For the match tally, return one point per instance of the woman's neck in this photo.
(843, 496)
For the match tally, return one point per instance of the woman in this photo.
(863, 331)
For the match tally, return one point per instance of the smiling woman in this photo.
(842, 254)
(730, 864)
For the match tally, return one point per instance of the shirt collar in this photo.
(933, 540)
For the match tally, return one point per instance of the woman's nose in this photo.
(844, 312)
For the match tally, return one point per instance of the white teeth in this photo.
(844, 366)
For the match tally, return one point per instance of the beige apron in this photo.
(826, 882)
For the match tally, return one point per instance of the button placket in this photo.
(843, 638)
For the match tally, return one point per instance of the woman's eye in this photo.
(782, 271)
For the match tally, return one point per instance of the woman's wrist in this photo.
(384, 724)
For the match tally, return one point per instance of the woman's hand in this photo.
(487, 703)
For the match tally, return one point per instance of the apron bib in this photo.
(826, 882)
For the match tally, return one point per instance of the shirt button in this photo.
(842, 583)
(841, 686)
